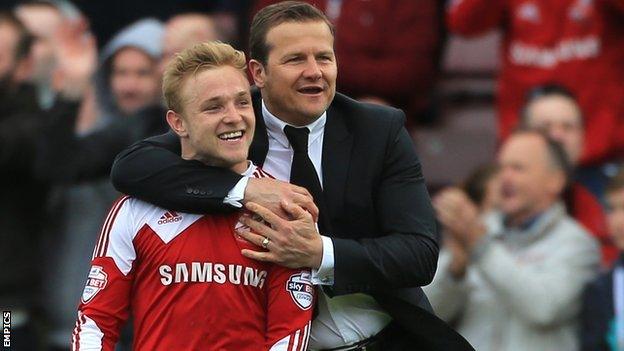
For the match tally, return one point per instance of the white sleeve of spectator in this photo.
(325, 274)
(446, 293)
(237, 194)
(541, 292)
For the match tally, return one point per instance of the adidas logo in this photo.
(170, 217)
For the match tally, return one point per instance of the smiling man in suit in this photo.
(375, 245)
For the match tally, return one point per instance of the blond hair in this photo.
(193, 60)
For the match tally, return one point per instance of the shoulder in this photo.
(129, 215)
(366, 114)
(569, 231)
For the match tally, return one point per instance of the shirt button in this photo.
(195, 191)
(202, 192)
(189, 190)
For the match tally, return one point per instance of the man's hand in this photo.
(459, 216)
(293, 243)
(269, 193)
(76, 56)
(459, 260)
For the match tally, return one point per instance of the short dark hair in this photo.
(616, 183)
(542, 91)
(274, 15)
(24, 40)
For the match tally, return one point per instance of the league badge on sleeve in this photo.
(96, 281)
(301, 289)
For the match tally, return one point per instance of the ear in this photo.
(258, 73)
(176, 123)
(556, 183)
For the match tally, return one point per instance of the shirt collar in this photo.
(250, 169)
(275, 127)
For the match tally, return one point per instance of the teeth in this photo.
(311, 90)
(231, 135)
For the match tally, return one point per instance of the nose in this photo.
(231, 114)
(312, 70)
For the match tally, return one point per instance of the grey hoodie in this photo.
(145, 35)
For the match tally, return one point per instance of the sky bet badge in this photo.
(301, 289)
(96, 281)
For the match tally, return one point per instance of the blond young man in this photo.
(182, 276)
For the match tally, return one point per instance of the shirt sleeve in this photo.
(290, 303)
(324, 275)
(105, 302)
(237, 194)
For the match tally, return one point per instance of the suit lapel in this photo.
(337, 143)
(260, 144)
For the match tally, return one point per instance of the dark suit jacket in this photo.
(597, 313)
(381, 217)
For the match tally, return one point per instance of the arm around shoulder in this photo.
(152, 170)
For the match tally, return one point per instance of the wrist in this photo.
(457, 269)
(317, 256)
(248, 190)
(477, 232)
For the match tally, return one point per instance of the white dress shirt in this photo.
(342, 320)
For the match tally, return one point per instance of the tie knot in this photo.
(298, 138)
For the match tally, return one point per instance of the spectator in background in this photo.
(24, 197)
(128, 79)
(554, 109)
(387, 50)
(575, 43)
(185, 30)
(517, 283)
(603, 301)
(43, 19)
(129, 109)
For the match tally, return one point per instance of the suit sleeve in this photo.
(405, 253)
(594, 323)
(64, 157)
(290, 302)
(105, 303)
(473, 17)
(152, 170)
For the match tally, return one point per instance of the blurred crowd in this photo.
(531, 241)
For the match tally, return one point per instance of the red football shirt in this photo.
(183, 279)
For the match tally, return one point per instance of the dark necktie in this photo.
(303, 173)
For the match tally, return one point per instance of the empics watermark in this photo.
(6, 329)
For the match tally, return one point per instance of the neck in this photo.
(240, 167)
(189, 154)
(517, 219)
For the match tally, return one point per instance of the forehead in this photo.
(219, 82)
(131, 56)
(528, 149)
(554, 109)
(300, 36)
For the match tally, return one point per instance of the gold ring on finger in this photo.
(265, 242)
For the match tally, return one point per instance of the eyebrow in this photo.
(221, 97)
